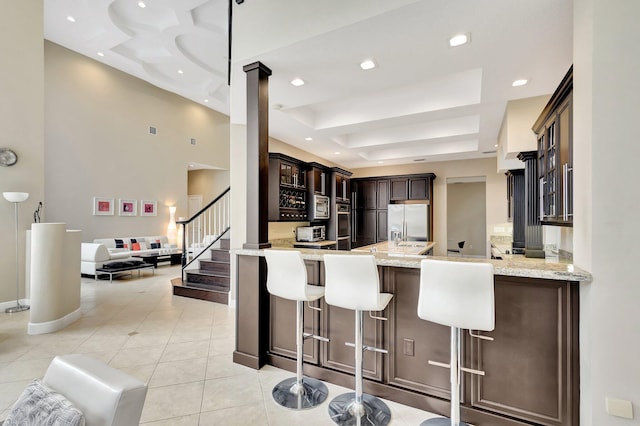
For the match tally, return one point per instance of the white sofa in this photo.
(104, 250)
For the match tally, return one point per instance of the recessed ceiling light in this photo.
(206, 101)
(308, 139)
(100, 54)
(380, 162)
(495, 146)
(71, 18)
(368, 64)
(459, 40)
(520, 82)
(191, 165)
(142, 4)
(297, 82)
(337, 153)
(180, 72)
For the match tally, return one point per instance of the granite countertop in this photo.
(403, 248)
(322, 243)
(514, 266)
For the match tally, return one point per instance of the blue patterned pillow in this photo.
(40, 405)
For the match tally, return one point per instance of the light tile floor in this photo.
(181, 347)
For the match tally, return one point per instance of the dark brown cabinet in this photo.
(413, 188)
(371, 197)
(516, 204)
(554, 130)
(531, 367)
(287, 189)
(341, 185)
(282, 324)
(317, 177)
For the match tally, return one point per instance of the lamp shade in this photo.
(15, 197)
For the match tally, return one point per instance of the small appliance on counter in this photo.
(310, 233)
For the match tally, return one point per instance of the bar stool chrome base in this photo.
(17, 308)
(441, 421)
(344, 411)
(289, 394)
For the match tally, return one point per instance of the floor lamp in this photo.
(15, 198)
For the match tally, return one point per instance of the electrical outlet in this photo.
(619, 407)
(293, 230)
(470, 247)
(409, 347)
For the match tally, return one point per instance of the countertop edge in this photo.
(521, 268)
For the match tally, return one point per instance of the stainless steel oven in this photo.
(343, 226)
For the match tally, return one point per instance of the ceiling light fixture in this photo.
(100, 54)
(71, 18)
(459, 40)
(206, 101)
(337, 153)
(308, 139)
(495, 146)
(297, 82)
(368, 64)
(380, 162)
(180, 72)
(142, 4)
(520, 82)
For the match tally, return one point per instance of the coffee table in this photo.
(154, 257)
(105, 270)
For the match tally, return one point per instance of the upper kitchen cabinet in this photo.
(554, 131)
(340, 184)
(287, 188)
(317, 177)
(411, 188)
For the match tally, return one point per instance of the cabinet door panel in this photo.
(370, 194)
(381, 234)
(383, 194)
(366, 227)
(418, 189)
(339, 327)
(282, 324)
(533, 345)
(398, 189)
(415, 341)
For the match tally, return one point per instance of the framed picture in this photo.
(102, 206)
(128, 207)
(148, 208)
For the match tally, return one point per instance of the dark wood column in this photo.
(252, 313)
(533, 227)
(519, 207)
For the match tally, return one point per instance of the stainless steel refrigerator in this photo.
(411, 220)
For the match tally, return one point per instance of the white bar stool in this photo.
(459, 295)
(352, 282)
(287, 278)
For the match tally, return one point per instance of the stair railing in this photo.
(204, 229)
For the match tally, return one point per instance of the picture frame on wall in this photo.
(128, 207)
(102, 206)
(148, 208)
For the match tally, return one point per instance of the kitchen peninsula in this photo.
(531, 366)
(403, 248)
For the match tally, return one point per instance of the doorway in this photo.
(466, 217)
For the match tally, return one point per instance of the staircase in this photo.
(209, 282)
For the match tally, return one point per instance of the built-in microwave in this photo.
(320, 207)
(310, 233)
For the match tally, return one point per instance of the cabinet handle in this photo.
(541, 197)
(565, 173)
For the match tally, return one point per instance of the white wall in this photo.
(606, 203)
(466, 221)
(208, 183)
(22, 124)
(98, 144)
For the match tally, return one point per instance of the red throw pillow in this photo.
(135, 246)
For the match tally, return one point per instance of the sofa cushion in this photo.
(135, 246)
(40, 405)
(155, 245)
(143, 245)
(119, 243)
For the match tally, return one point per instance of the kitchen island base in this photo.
(532, 368)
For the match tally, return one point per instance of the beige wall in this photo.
(208, 183)
(466, 217)
(22, 124)
(496, 191)
(98, 144)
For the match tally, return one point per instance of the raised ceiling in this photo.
(425, 101)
